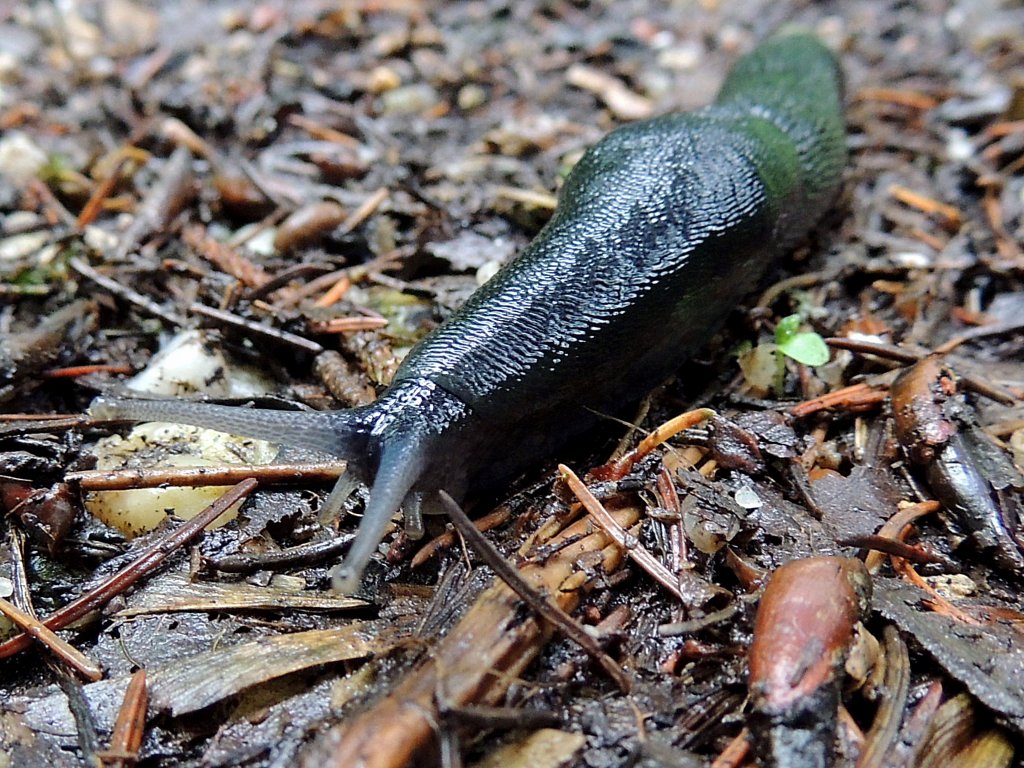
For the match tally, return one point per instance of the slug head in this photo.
(398, 445)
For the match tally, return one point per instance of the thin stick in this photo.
(547, 610)
(892, 527)
(198, 477)
(902, 355)
(74, 419)
(498, 516)
(617, 469)
(257, 329)
(94, 204)
(62, 649)
(856, 397)
(121, 291)
(949, 215)
(993, 329)
(148, 561)
(888, 351)
(620, 535)
(75, 371)
(904, 98)
(130, 726)
(736, 752)
(348, 324)
(365, 210)
(299, 555)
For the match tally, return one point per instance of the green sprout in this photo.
(805, 347)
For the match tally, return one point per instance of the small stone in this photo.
(382, 79)
(747, 498)
(408, 99)
(21, 159)
(471, 96)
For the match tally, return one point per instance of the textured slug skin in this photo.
(661, 228)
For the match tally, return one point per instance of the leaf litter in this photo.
(317, 187)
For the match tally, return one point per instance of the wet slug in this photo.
(661, 228)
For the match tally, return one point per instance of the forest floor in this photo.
(296, 192)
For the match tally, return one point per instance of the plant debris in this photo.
(274, 202)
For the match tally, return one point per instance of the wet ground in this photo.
(315, 186)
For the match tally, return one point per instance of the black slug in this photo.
(661, 228)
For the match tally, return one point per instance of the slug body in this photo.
(661, 228)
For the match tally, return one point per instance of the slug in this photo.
(661, 228)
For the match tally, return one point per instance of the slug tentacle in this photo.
(400, 468)
(338, 433)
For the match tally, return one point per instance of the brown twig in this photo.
(894, 547)
(323, 132)
(75, 371)
(130, 726)
(257, 329)
(912, 99)
(301, 555)
(197, 477)
(736, 752)
(121, 291)
(226, 258)
(94, 204)
(60, 648)
(617, 469)
(937, 602)
(161, 203)
(285, 276)
(948, 216)
(902, 355)
(348, 324)
(148, 561)
(629, 543)
(75, 418)
(893, 527)
(888, 351)
(993, 329)
(389, 260)
(548, 610)
(491, 520)
(336, 292)
(992, 205)
(365, 210)
(856, 397)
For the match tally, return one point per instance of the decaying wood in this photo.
(476, 662)
(547, 610)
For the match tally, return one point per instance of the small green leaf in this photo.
(787, 329)
(807, 348)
